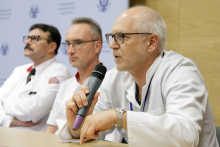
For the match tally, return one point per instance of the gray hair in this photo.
(150, 21)
(95, 29)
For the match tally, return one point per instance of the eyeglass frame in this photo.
(123, 36)
(65, 43)
(30, 37)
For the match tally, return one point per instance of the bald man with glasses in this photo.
(27, 96)
(155, 98)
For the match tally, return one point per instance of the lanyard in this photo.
(131, 108)
(145, 96)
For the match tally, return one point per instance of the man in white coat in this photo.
(153, 97)
(27, 96)
(83, 45)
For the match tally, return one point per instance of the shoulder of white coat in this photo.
(173, 59)
(67, 82)
(173, 56)
(176, 67)
(23, 68)
(65, 86)
(57, 73)
(114, 73)
(57, 65)
(57, 68)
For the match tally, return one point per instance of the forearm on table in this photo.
(51, 129)
(28, 109)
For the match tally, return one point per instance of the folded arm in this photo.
(36, 106)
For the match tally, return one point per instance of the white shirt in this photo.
(176, 113)
(32, 101)
(66, 91)
(57, 115)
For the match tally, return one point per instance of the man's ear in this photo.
(53, 46)
(98, 46)
(153, 42)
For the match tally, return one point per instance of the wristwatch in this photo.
(120, 112)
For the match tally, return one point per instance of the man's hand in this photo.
(78, 101)
(96, 123)
(16, 122)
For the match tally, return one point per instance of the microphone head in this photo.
(99, 71)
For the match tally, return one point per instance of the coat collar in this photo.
(40, 68)
(128, 82)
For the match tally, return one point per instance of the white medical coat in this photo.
(176, 113)
(66, 91)
(57, 115)
(19, 103)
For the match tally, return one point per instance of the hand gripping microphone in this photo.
(95, 81)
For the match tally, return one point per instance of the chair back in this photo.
(218, 134)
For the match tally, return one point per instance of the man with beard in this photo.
(27, 96)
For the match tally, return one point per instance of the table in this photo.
(12, 137)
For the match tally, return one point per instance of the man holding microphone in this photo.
(153, 97)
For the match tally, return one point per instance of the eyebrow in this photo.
(33, 35)
(118, 32)
(73, 40)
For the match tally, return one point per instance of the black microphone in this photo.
(95, 81)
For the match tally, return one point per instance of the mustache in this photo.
(28, 47)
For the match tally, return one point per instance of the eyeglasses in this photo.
(119, 37)
(75, 44)
(34, 38)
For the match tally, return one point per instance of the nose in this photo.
(113, 44)
(71, 49)
(28, 41)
